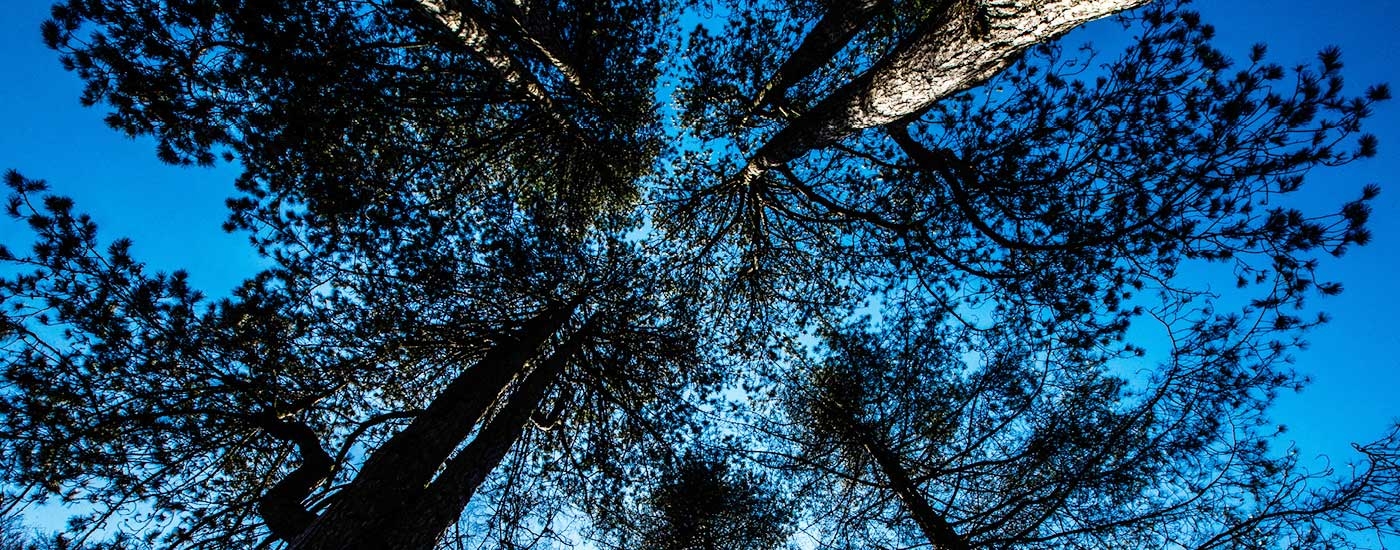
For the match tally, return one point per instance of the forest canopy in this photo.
(633, 274)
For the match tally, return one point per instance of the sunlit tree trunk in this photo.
(841, 22)
(528, 28)
(969, 43)
(472, 31)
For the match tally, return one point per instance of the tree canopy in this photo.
(842, 274)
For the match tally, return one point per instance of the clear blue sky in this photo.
(174, 214)
(1355, 360)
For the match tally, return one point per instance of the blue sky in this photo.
(1353, 360)
(173, 214)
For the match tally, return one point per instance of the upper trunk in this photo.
(932, 524)
(420, 526)
(472, 31)
(526, 28)
(841, 22)
(969, 43)
(396, 474)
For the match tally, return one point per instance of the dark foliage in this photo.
(502, 291)
(702, 504)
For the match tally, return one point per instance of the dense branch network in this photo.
(508, 294)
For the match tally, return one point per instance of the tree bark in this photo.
(841, 22)
(934, 526)
(281, 507)
(396, 475)
(473, 32)
(971, 42)
(420, 526)
(527, 30)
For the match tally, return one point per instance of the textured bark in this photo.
(932, 524)
(396, 475)
(419, 527)
(472, 31)
(971, 42)
(527, 31)
(841, 22)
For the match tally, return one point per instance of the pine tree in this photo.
(500, 282)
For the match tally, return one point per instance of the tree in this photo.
(211, 398)
(1154, 164)
(468, 304)
(996, 440)
(1167, 157)
(399, 271)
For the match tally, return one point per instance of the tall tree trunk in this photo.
(396, 475)
(970, 43)
(420, 526)
(472, 30)
(934, 526)
(841, 22)
(527, 29)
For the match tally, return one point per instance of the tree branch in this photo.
(969, 43)
(281, 506)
